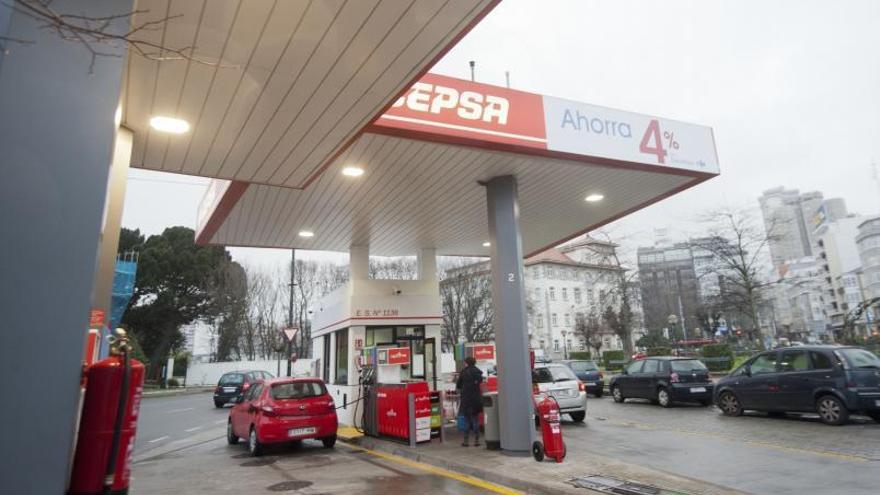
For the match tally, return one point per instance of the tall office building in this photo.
(669, 286)
(788, 218)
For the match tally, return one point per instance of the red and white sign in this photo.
(447, 106)
(398, 355)
(485, 352)
(96, 318)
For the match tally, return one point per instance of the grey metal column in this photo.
(508, 298)
(56, 143)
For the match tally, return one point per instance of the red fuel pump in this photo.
(108, 423)
(553, 446)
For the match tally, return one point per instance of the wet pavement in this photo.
(163, 420)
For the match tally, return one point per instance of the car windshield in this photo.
(860, 358)
(582, 366)
(687, 365)
(550, 374)
(296, 390)
(232, 379)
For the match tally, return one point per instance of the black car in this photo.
(663, 380)
(588, 373)
(234, 383)
(833, 381)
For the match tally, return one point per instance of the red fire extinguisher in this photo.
(108, 423)
(549, 417)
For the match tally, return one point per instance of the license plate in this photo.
(298, 432)
(591, 384)
(696, 390)
(229, 390)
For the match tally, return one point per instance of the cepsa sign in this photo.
(484, 352)
(440, 105)
(398, 355)
(449, 106)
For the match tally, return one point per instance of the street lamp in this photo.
(564, 344)
(673, 321)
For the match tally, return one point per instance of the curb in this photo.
(528, 487)
(174, 392)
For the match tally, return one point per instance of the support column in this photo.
(427, 267)
(508, 298)
(359, 263)
(57, 137)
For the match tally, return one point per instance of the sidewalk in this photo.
(548, 477)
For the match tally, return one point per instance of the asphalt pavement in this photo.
(755, 453)
(163, 420)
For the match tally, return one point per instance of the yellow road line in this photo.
(470, 480)
(799, 450)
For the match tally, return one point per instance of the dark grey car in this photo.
(235, 383)
(589, 374)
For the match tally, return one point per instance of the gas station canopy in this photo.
(419, 169)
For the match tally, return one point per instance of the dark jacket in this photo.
(468, 384)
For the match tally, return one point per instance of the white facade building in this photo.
(838, 257)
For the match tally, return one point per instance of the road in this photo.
(166, 419)
(755, 453)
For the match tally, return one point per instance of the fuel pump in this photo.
(108, 422)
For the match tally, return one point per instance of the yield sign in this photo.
(290, 333)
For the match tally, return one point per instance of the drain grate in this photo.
(289, 486)
(608, 484)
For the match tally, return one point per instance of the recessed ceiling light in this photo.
(306, 233)
(353, 171)
(169, 124)
(592, 198)
(487, 244)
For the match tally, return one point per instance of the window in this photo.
(651, 366)
(765, 363)
(568, 344)
(325, 372)
(379, 336)
(552, 293)
(567, 319)
(253, 393)
(296, 390)
(794, 361)
(555, 344)
(232, 379)
(635, 367)
(687, 366)
(583, 366)
(821, 361)
(564, 294)
(540, 322)
(577, 296)
(581, 345)
(553, 373)
(342, 357)
(553, 320)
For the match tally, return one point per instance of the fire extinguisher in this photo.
(108, 422)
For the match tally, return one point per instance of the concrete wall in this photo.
(210, 373)
(56, 139)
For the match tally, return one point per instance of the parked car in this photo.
(588, 373)
(833, 381)
(560, 382)
(234, 383)
(663, 380)
(283, 410)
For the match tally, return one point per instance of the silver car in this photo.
(561, 383)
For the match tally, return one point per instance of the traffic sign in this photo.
(290, 333)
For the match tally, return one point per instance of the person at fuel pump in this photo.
(471, 399)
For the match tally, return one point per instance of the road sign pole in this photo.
(290, 313)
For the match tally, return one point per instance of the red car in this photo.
(283, 410)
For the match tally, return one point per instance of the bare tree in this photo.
(398, 268)
(102, 35)
(466, 297)
(590, 328)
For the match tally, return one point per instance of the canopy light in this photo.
(306, 233)
(592, 198)
(487, 244)
(169, 124)
(353, 171)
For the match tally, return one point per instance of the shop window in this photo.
(342, 357)
(379, 336)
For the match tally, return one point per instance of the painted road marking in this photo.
(172, 411)
(769, 445)
(158, 439)
(470, 480)
(193, 429)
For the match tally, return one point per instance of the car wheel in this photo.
(218, 404)
(254, 447)
(729, 404)
(231, 438)
(663, 397)
(329, 442)
(831, 410)
(578, 416)
(538, 451)
(618, 397)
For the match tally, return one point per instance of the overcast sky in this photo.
(791, 88)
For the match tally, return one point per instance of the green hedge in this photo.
(716, 354)
(659, 351)
(613, 360)
(579, 355)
